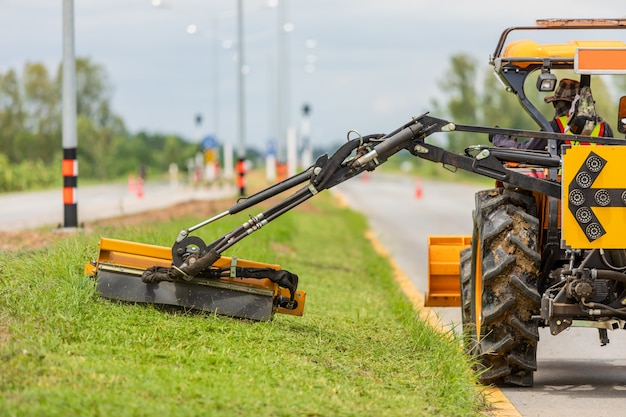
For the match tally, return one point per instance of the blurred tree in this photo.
(619, 84)
(459, 86)
(177, 151)
(502, 108)
(31, 131)
(97, 125)
(12, 114)
(42, 104)
(92, 87)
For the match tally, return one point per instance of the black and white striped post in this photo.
(70, 163)
(70, 182)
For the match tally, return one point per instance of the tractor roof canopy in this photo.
(606, 54)
(527, 52)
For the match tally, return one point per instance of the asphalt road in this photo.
(575, 376)
(29, 210)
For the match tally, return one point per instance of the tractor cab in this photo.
(580, 49)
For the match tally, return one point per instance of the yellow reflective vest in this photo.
(598, 131)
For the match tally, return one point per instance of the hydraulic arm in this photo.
(194, 264)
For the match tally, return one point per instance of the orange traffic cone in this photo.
(132, 184)
(418, 189)
(140, 188)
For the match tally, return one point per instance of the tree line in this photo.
(31, 131)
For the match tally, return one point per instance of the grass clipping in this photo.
(359, 350)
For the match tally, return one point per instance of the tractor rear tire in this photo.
(499, 288)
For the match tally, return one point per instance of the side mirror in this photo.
(621, 115)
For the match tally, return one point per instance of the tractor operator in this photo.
(562, 101)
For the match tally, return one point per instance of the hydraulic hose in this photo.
(271, 191)
(605, 310)
(335, 161)
(606, 274)
(157, 274)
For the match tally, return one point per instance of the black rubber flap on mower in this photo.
(226, 301)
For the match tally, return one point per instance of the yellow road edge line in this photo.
(500, 405)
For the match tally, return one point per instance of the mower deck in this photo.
(120, 264)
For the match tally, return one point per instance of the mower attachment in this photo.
(193, 274)
(120, 265)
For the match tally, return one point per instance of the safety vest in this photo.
(598, 131)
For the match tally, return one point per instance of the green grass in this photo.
(359, 350)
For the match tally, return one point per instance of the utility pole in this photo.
(241, 149)
(70, 161)
(283, 81)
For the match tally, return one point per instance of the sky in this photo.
(359, 65)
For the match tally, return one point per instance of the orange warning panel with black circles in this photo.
(594, 197)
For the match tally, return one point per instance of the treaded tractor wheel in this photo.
(498, 287)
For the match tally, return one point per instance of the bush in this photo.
(27, 175)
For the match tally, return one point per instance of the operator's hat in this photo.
(566, 91)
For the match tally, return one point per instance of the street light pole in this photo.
(216, 77)
(280, 83)
(283, 81)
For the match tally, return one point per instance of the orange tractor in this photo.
(548, 246)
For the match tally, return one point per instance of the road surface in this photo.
(29, 210)
(575, 376)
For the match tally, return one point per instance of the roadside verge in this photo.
(500, 405)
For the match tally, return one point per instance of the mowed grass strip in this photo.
(359, 350)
